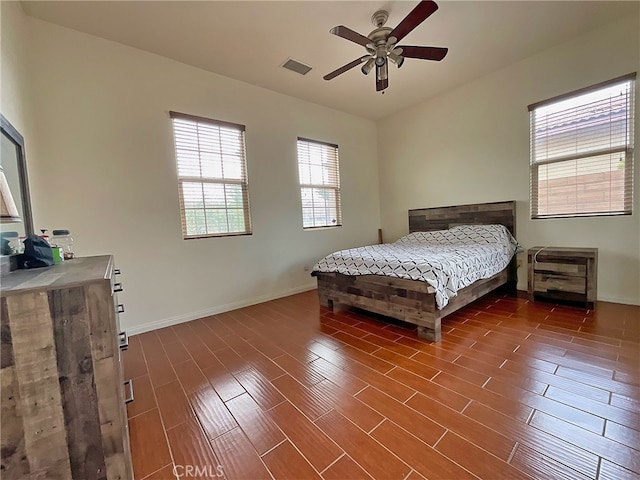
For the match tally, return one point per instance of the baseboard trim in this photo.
(623, 301)
(167, 322)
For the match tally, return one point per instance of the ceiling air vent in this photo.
(296, 66)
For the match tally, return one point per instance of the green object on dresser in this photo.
(57, 255)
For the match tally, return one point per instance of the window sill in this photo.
(581, 215)
(218, 235)
(328, 227)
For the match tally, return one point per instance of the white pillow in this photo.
(493, 234)
(430, 238)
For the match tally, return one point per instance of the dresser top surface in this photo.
(563, 250)
(68, 274)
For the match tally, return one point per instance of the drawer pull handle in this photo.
(120, 308)
(117, 287)
(129, 399)
(124, 340)
(116, 271)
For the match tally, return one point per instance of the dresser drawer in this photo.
(568, 269)
(545, 282)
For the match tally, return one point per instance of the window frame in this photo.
(628, 149)
(335, 188)
(244, 183)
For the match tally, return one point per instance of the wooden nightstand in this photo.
(563, 273)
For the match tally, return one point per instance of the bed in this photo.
(410, 299)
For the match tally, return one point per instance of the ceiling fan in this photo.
(381, 44)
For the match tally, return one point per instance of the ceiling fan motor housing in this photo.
(380, 38)
(379, 18)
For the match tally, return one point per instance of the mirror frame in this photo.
(14, 136)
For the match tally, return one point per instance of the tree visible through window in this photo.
(319, 184)
(212, 176)
(582, 152)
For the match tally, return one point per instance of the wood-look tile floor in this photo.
(287, 389)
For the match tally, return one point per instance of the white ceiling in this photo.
(249, 40)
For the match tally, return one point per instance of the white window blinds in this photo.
(212, 176)
(319, 184)
(582, 152)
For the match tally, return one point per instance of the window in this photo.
(582, 152)
(212, 177)
(319, 184)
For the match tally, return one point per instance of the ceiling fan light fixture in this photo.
(367, 67)
(396, 59)
(383, 72)
(380, 61)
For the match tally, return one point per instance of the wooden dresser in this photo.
(63, 392)
(563, 273)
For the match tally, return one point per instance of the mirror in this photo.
(16, 218)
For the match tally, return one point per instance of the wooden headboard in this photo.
(443, 218)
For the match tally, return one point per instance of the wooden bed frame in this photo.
(413, 301)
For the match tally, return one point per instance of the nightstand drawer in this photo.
(574, 270)
(546, 282)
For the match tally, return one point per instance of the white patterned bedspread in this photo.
(448, 260)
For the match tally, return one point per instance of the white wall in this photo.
(13, 75)
(14, 87)
(472, 145)
(103, 157)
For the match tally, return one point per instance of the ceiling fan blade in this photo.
(418, 15)
(346, 32)
(346, 67)
(424, 53)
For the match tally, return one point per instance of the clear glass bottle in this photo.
(62, 238)
(10, 243)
